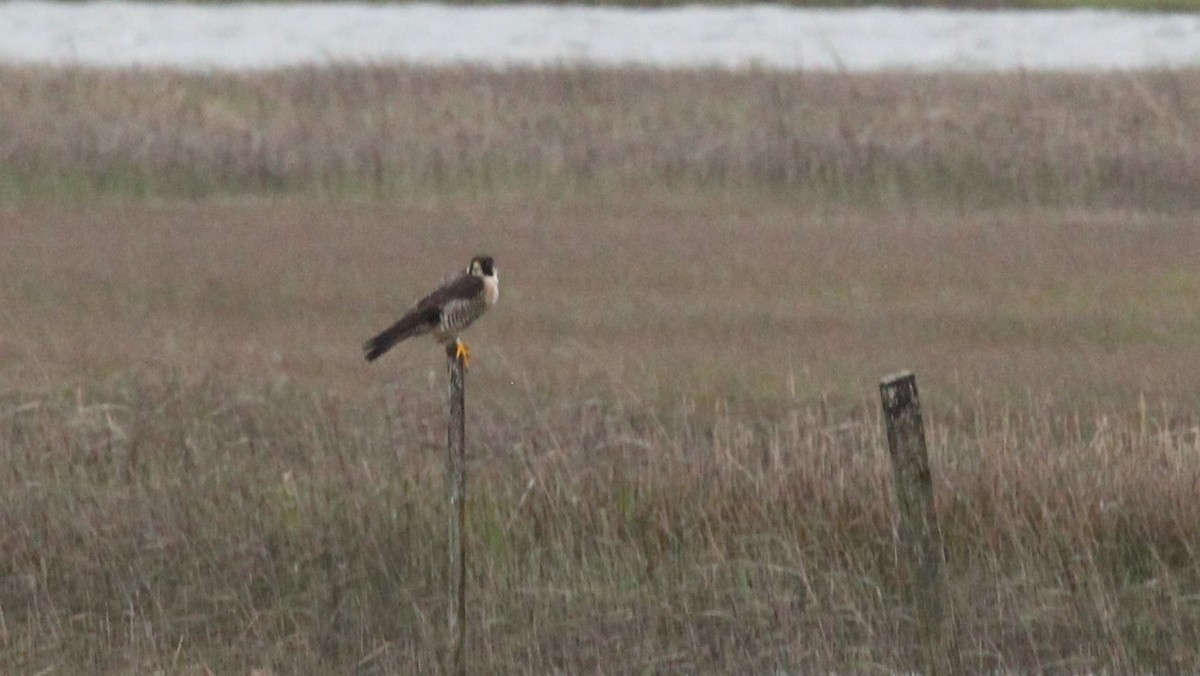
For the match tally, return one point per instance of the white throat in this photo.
(491, 288)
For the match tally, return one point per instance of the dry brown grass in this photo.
(1111, 140)
(677, 461)
(677, 464)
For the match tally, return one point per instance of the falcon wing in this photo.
(462, 287)
(425, 316)
(416, 322)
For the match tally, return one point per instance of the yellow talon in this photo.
(461, 351)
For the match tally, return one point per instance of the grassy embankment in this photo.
(677, 460)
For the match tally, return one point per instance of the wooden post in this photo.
(456, 483)
(920, 537)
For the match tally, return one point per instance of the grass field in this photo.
(1122, 140)
(676, 456)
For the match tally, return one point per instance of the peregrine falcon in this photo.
(445, 312)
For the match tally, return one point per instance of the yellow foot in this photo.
(461, 351)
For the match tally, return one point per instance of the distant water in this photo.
(260, 36)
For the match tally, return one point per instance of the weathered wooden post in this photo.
(920, 537)
(456, 483)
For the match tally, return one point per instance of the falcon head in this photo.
(482, 266)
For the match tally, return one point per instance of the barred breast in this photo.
(458, 315)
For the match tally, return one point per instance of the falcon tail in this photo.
(412, 324)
